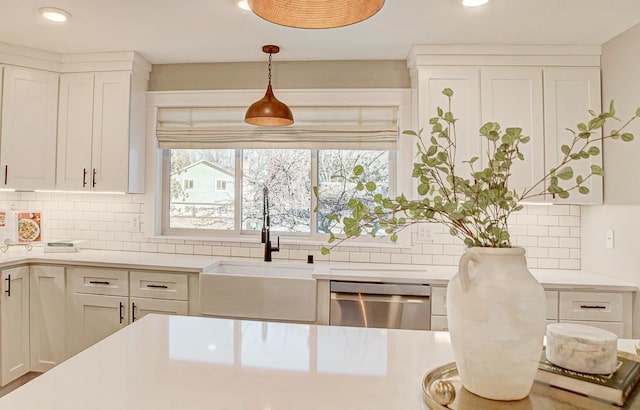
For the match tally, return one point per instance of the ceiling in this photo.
(181, 31)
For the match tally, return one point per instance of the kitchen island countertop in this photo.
(177, 362)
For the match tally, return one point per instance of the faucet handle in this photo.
(277, 248)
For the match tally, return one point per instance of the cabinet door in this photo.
(75, 128)
(144, 306)
(47, 311)
(465, 83)
(14, 324)
(110, 150)
(568, 95)
(96, 317)
(512, 96)
(29, 118)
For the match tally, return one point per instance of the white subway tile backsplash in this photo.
(550, 234)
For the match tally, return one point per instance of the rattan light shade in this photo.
(315, 13)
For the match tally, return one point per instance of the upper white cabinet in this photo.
(569, 93)
(542, 90)
(14, 324)
(28, 134)
(95, 133)
(465, 104)
(512, 96)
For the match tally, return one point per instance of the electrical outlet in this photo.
(425, 233)
(608, 237)
(135, 223)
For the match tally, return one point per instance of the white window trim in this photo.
(243, 98)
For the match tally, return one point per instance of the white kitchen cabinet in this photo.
(607, 310)
(143, 306)
(96, 317)
(512, 96)
(28, 132)
(465, 82)
(14, 324)
(158, 292)
(47, 322)
(569, 93)
(94, 131)
(99, 298)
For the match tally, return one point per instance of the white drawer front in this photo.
(438, 301)
(99, 281)
(439, 323)
(159, 285)
(615, 327)
(552, 304)
(594, 306)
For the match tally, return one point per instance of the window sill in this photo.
(289, 240)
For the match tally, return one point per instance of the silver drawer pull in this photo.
(99, 282)
(592, 307)
(158, 286)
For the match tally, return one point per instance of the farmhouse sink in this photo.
(259, 290)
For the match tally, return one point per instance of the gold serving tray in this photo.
(542, 397)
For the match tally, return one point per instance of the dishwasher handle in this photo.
(404, 289)
(358, 297)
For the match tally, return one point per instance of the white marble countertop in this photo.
(369, 272)
(177, 362)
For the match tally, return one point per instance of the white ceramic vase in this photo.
(496, 317)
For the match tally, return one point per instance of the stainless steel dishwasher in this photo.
(386, 305)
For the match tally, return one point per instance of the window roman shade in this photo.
(369, 128)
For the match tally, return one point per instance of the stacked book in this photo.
(615, 387)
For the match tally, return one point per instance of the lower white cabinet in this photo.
(96, 317)
(607, 310)
(144, 306)
(14, 324)
(47, 317)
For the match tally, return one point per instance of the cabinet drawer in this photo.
(552, 304)
(438, 301)
(99, 281)
(594, 306)
(439, 323)
(158, 285)
(615, 327)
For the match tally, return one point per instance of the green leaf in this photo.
(582, 127)
(565, 149)
(423, 189)
(563, 195)
(432, 151)
(583, 190)
(394, 237)
(324, 250)
(358, 170)
(433, 120)
(593, 151)
(565, 173)
(371, 186)
(448, 116)
(597, 170)
(627, 137)
(440, 112)
(410, 132)
(638, 112)
(448, 92)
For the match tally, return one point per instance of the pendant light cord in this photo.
(269, 68)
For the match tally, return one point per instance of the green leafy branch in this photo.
(476, 206)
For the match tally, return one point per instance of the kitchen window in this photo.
(288, 173)
(230, 163)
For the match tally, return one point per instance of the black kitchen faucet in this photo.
(266, 227)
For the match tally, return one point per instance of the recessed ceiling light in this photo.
(54, 14)
(244, 5)
(474, 3)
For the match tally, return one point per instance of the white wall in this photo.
(621, 212)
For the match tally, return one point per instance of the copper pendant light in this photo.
(269, 111)
(315, 13)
